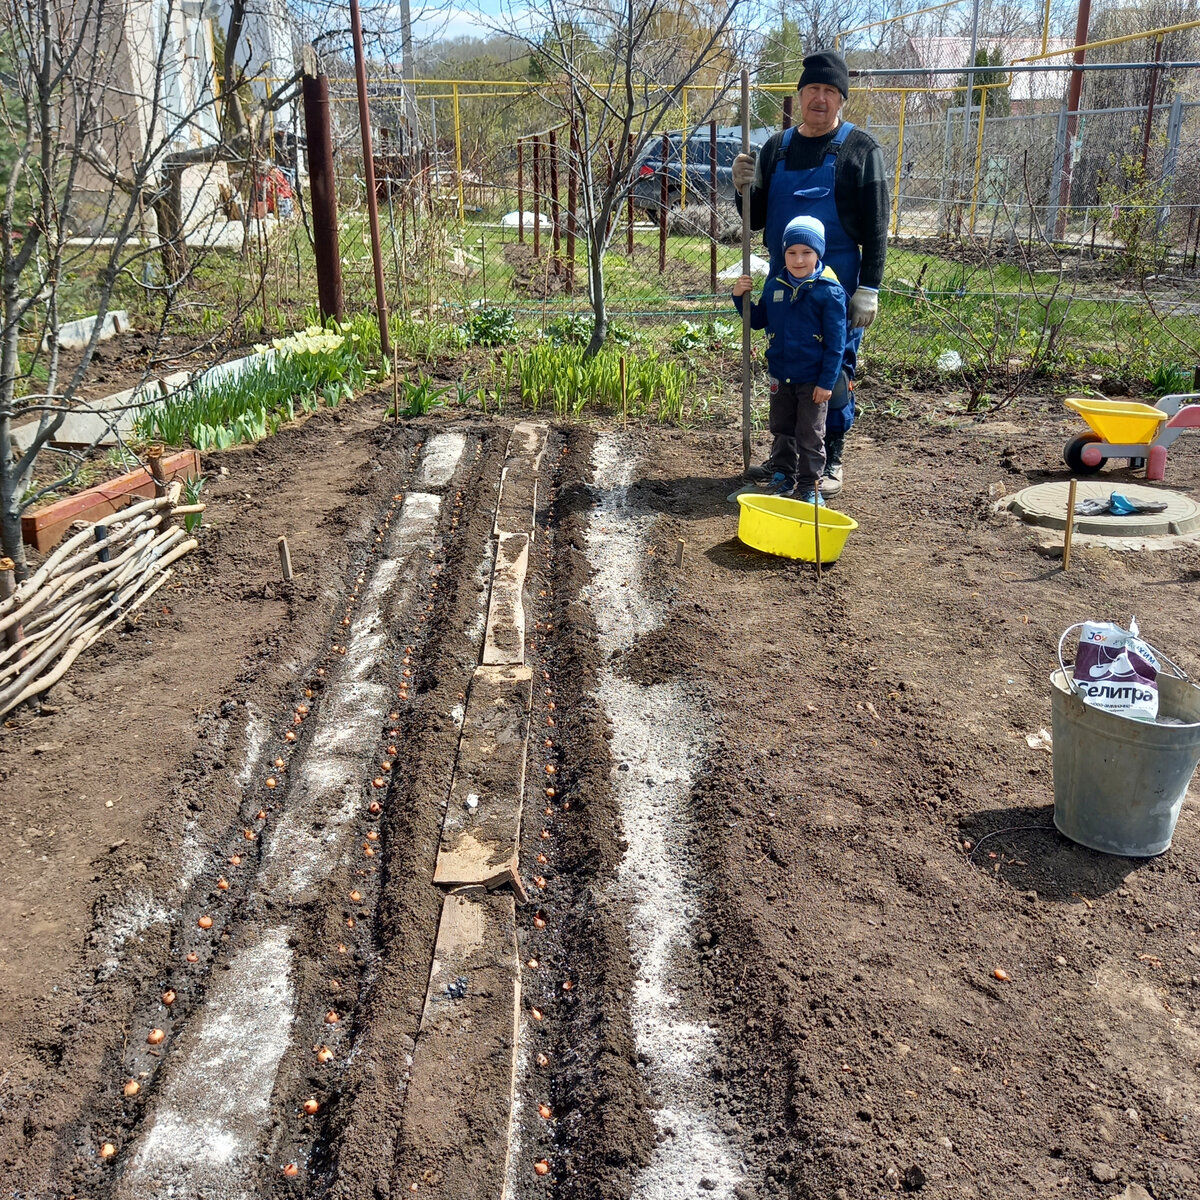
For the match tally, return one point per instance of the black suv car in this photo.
(647, 183)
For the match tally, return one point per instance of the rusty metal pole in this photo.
(1158, 44)
(1074, 92)
(537, 197)
(520, 189)
(572, 199)
(712, 213)
(323, 188)
(629, 205)
(787, 112)
(663, 195)
(364, 121)
(555, 214)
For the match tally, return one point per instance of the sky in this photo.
(432, 21)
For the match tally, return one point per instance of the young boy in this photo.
(803, 311)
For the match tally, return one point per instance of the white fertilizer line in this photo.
(658, 742)
(440, 460)
(303, 845)
(617, 542)
(217, 1095)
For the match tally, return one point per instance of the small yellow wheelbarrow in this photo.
(1125, 429)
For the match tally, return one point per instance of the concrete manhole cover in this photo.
(1045, 504)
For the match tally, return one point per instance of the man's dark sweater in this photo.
(860, 190)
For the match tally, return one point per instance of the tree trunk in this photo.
(596, 285)
(168, 208)
(11, 545)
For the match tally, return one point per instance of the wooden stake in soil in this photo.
(8, 584)
(746, 271)
(679, 553)
(154, 461)
(395, 386)
(1069, 532)
(624, 395)
(154, 457)
(817, 527)
(285, 559)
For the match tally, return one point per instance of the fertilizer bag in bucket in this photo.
(1119, 782)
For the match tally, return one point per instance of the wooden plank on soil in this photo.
(454, 1136)
(517, 505)
(504, 639)
(481, 828)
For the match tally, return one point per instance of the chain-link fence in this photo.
(1022, 239)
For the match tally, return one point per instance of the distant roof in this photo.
(943, 52)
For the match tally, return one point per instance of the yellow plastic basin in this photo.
(1123, 423)
(777, 525)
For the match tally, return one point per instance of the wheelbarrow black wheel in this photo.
(1073, 455)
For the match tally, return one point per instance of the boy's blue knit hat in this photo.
(805, 231)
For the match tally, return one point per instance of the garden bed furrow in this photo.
(210, 1121)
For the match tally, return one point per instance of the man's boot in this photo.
(831, 482)
(778, 461)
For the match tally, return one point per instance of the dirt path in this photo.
(762, 961)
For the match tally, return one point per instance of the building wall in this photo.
(154, 94)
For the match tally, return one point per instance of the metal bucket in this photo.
(1118, 783)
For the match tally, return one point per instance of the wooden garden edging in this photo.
(41, 529)
(89, 584)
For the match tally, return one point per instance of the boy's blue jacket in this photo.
(805, 324)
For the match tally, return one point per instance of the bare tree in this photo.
(618, 99)
(106, 105)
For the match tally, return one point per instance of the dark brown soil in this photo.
(863, 732)
(129, 359)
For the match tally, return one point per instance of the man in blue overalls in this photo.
(828, 169)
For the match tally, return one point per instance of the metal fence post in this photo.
(629, 202)
(364, 119)
(1060, 154)
(683, 143)
(663, 197)
(978, 160)
(572, 200)
(555, 215)
(899, 164)
(323, 190)
(462, 205)
(537, 197)
(520, 189)
(1170, 163)
(712, 215)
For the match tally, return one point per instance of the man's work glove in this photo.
(864, 306)
(743, 171)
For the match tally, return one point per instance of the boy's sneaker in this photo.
(809, 496)
(782, 485)
(831, 482)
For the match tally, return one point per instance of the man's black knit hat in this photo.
(826, 66)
